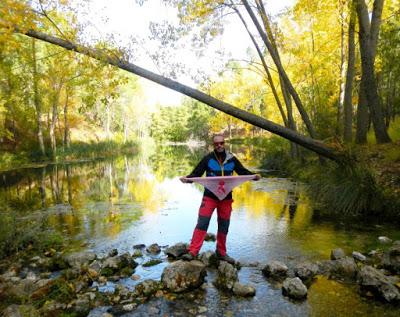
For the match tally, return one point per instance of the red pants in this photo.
(224, 209)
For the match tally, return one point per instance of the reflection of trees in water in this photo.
(172, 161)
(101, 197)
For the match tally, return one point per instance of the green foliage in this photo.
(179, 124)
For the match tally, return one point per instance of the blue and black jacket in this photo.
(219, 164)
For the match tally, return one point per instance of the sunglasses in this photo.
(219, 143)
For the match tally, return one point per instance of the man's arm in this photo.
(198, 170)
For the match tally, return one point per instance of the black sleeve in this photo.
(240, 169)
(200, 168)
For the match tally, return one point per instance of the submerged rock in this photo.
(227, 276)
(243, 290)
(382, 286)
(176, 250)
(337, 254)
(294, 288)
(275, 269)
(181, 276)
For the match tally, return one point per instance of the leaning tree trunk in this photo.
(367, 51)
(36, 99)
(307, 142)
(347, 105)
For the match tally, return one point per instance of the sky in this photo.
(125, 20)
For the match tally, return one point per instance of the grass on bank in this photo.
(76, 151)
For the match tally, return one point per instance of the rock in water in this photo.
(227, 276)
(243, 290)
(358, 256)
(382, 286)
(176, 250)
(275, 269)
(306, 271)
(384, 240)
(181, 276)
(210, 237)
(81, 258)
(153, 248)
(391, 258)
(294, 288)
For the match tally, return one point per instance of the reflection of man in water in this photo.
(219, 162)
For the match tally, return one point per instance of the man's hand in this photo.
(257, 177)
(183, 179)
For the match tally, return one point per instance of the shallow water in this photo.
(131, 200)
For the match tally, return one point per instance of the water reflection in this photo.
(115, 200)
(139, 199)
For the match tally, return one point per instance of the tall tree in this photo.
(368, 36)
(36, 98)
(348, 92)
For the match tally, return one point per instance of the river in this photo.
(139, 199)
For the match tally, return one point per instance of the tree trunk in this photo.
(53, 123)
(275, 57)
(36, 99)
(309, 143)
(108, 121)
(342, 79)
(367, 50)
(348, 104)
(67, 140)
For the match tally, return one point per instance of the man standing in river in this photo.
(219, 162)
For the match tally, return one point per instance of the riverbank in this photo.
(77, 152)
